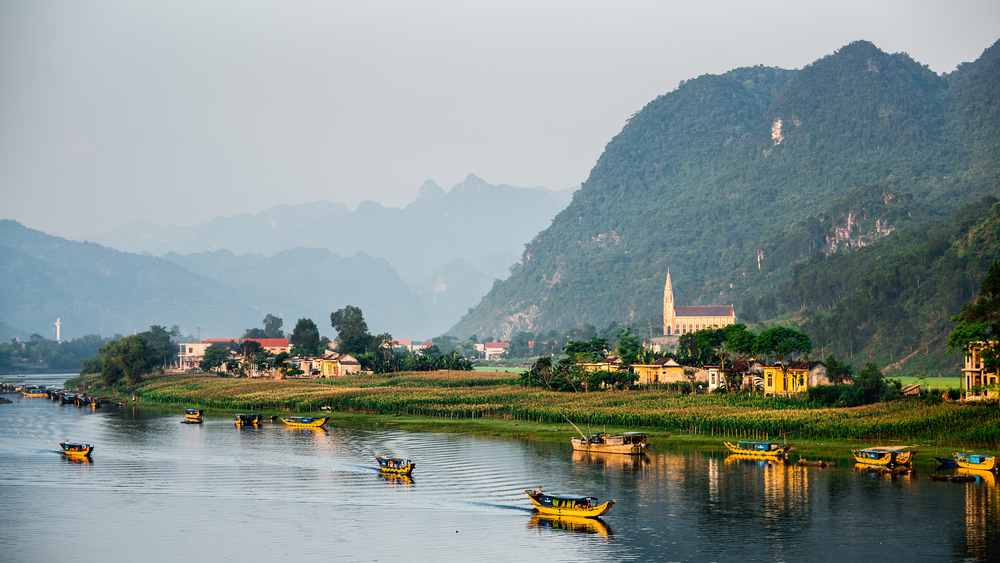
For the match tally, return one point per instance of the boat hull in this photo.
(627, 449)
(762, 454)
(977, 462)
(76, 450)
(299, 423)
(592, 512)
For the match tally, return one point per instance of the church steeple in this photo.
(668, 306)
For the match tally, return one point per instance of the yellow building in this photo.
(684, 319)
(777, 382)
(611, 363)
(977, 375)
(664, 370)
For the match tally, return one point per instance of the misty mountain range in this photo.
(413, 271)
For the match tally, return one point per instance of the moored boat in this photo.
(758, 449)
(193, 416)
(823, 464)
(633, 443)
(247, 419)
(976, 461)
(395, 465)
(884, 456)
(946, 461)
(568, 505)
(76, 450)
(303, 422)
(34, 392)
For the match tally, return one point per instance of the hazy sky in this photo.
(176, 111)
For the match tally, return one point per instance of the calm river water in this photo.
(158, 490)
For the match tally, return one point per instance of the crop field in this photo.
(941, 383)
(470, 395)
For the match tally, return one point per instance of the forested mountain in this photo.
(730, 179)
(891, 302)
(94, 289)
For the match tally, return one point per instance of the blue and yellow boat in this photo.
(759, 449)
(193, 416)
(976, 461)
(76, 450)
(395, 465)
(303, 422)
(568, 505)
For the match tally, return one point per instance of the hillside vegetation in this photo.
(732, 179)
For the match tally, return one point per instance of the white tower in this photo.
(58, 324)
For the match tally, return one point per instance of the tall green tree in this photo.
(272, 327)
(215, 357)
(126, 359)
(629, 347)
(159, 341)
(305, 339)
(352, 331)
(979, 322)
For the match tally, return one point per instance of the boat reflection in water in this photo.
(571, 524)
(734, 459)
(632, 463)
(396, 479)
(982, 514)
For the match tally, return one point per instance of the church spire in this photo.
(668, 306)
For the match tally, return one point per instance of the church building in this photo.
(679, 319)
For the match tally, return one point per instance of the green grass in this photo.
(932, 382)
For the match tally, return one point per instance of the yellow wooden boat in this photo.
(759, 449)
(193, 416)
(76, 450)
(247, 420)
(303, 422)
(884, 456)
(34, 393)
(976, 461)
(395, 465)
(633, 443)
(565, 505)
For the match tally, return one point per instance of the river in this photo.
(157, 490)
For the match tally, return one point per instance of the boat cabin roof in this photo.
(759, 445)
(568, 497)
(634, 434)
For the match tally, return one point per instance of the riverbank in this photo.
(453, 400)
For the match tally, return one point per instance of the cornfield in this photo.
(464, 395)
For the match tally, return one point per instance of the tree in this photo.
(838, 372)
(127, 358)
(628, 347)
(159, 341)
(589, 352)
(352, 331)
(254, 333)
(305, 338)
(979, 322)
(272, 327)
(215, 357)
(782, 343)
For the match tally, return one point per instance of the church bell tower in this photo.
(668, 307)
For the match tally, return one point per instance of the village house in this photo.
(491, 350)
(610, 364)
(800, 376)
(977, 377)
(190, 354)
(663, 370)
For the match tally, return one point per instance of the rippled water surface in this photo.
(157, 490)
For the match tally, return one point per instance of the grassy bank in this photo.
(461, 397)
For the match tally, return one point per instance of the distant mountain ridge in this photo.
(447, 247)
(706, 178)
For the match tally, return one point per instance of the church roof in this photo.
(703, 311)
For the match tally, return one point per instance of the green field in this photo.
(500, 369)
(456, 396)
(932, 382)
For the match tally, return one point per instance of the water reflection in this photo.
(630, 463)
(574, 525)
(233, 493)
